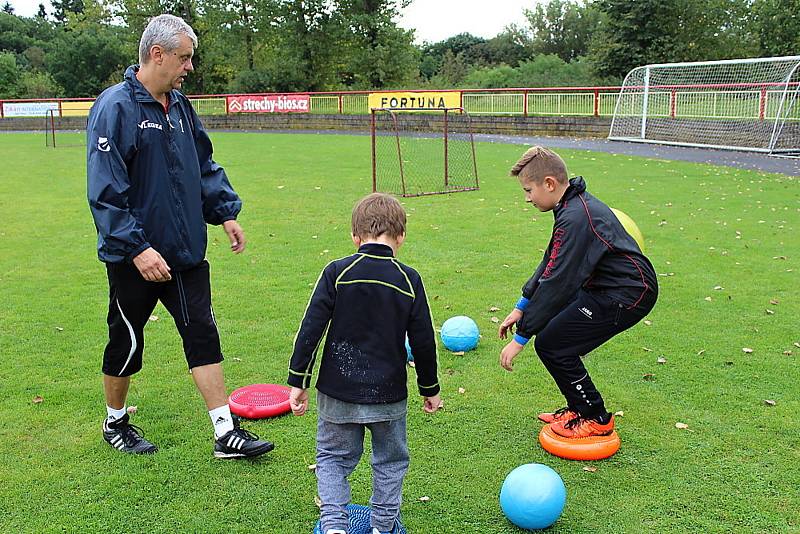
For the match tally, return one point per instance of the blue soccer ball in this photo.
(460, 334)
(533, 496)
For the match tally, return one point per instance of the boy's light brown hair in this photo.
(378, 214)
(537, 163)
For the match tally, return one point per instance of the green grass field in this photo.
(724, 242)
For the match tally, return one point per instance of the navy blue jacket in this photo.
(589, 249)
(366, 303)
(151, 179)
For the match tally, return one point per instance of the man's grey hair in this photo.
(164, 30)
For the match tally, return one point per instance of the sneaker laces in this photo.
(561, 411)
(244, 434)
(131, 434)
(574, 422)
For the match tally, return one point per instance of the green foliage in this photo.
(776, 24)
(718, 232)
(563, 27)
(37, 84)
(9, 75)
(83, 62)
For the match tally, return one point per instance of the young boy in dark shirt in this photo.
(366, 303)
(593, 283)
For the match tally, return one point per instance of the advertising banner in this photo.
(420, 100)
(268, 104)
(27, 109)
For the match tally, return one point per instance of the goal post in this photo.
(422, 151)
(65, 128)
(739, 104)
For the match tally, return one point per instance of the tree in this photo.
(378, 53)
(776, 25)
(82, 62)
(9, 74)
(63, 8)
(42, 13)
(563, 27)
(8, 8)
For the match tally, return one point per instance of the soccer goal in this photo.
(742, 104)
(422, 151)
(64, 131)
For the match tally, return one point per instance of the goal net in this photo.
(743, 104)
(65, 127)
(422, 152)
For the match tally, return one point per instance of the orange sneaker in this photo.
(562, 414)
(579, 427)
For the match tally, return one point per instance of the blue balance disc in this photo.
(359, 521)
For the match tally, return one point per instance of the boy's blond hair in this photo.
(537, 163)
(378, 214)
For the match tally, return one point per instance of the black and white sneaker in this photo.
(239, 443)
(126, 437)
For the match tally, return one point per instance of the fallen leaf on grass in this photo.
(317, 501)
(459, 353)
(769, 402)
(153, 318)
(495, 320)
(796, 344)
(747, 350)
(787, 353)
(462, 390)
(619, 414)
(59, 329)
(769, 312)
(312, 467)
(701, 352)
(133, 409)
(590, 469)
(424, 498)
(649, 377)
(38, 399)
(681, 426)
(661, 359)
(648, 322)
(646, 349)
(707, 299)
(774, 302)
(718, 288)
(494, 309)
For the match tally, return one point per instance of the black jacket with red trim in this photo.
(591, 249)
(367, 303)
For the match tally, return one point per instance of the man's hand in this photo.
(507, 326)
(508, 354)
(431, 404)
(236, 235)
(298, 400)
(152, 266)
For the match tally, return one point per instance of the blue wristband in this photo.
(522, 303)
(521, 340)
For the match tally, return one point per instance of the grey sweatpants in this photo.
(339, 449)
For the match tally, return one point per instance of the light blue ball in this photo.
(460, 333)
(533, 496)
(409, 356)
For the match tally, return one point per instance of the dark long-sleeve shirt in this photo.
(589, 248)
(366, 303)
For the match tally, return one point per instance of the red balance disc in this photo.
(257, 401)
(591, 448)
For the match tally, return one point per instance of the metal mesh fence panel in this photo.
(423, 153)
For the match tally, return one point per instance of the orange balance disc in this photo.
(257, 401)
(592, 448)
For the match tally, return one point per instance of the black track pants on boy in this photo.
(588, 321)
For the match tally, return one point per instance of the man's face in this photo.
(178, 63)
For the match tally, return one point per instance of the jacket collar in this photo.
(577, 186)
(376, 249)
(140, 92)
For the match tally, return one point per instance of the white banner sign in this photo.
(28, 109)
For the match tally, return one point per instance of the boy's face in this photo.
(543, 195)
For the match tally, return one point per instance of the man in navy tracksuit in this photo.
(152, 188)
(593, 283)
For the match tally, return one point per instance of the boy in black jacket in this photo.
(367, 303)
(593, 283)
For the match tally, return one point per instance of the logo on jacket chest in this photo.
(145, 124)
